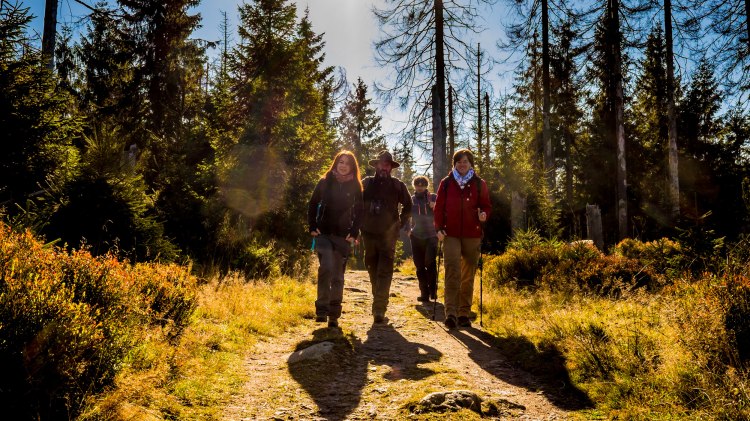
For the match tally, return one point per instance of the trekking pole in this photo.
(481, 270)
(437, 277)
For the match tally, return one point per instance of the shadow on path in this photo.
(433, 310)
(385, 346)
(334, 382)
(500, 356)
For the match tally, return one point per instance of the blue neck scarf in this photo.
(463, 180)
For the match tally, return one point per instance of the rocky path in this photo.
(382, 371)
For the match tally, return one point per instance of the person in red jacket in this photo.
(462, 205)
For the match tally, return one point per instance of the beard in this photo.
(383, 173)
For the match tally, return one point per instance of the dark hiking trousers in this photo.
(424, 253)
(379, 252)
(332, 254)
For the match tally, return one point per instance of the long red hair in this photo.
(353, 162)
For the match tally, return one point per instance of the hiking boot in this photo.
(423, 298)
(333, 323)
(378, 318)
(464, 321)
(450, 322)
(433, 296)
(320, 319)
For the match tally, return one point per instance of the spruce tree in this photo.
(359, 124)
(38, 127)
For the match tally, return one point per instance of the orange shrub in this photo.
(67, 321)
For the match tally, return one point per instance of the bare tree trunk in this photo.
(480, 153)
(442, 164)
(619, 104)
(517, 212)
(538, 159)
(594, 226)
(747, 19)
(549, 171)
(438, 152)
(673, 175)
(451, 133)
(487, 125)
(569, 176)
(50, 33)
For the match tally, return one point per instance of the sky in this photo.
(349, 29)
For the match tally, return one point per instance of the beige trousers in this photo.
(461, 257)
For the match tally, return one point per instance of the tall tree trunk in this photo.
(441, 166)
(50, 33)
(451, 133)
(619, 126)
(480, 153)
(438, 151)
(747, 20)
(538, 149)
(673, 175)
(549, 171)
(569, 176)
(487, 125)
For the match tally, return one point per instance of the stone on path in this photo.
(449, 401)
(313, 352)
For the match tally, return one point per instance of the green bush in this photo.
(533, 262)
(67, 321)
(258, 261)
(662, 255)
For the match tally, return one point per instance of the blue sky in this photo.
(349, 29)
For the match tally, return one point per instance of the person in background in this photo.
(423, 237)
(380, 227)
(462, 206)
(334, 216)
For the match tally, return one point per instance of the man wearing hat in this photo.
(380, 226)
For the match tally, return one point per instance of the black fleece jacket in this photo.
(336, 208)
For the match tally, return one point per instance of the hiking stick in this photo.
(481, 270)
(437, 277)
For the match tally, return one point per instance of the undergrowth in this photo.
(639, 332)
(200, 377)
(68, 322)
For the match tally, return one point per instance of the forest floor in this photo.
(382, 371)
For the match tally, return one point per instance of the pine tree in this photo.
(359, 124)
(566, 124)
(169, 72)
(649, 138)
(285, 137)
(38, 127)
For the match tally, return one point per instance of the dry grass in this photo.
(645, 356)
(198, 377)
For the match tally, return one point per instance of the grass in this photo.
(647, 356)
(199, 377)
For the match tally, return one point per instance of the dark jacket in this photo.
(382, 196)
(456, 208)
(336, 208)
(422, 215)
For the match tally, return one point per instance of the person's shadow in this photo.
(431, 310)
(551, 377)
(385, 346)
(334, 381)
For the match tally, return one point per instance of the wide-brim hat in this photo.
(384, 156)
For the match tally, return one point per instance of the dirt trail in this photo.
(377, 371)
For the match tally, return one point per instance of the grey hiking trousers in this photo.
(380, 250)
(332, 254)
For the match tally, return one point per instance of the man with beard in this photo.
(380, 227)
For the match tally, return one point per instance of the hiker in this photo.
(380, 227)
(463, 204)
(423, 237)
(334, 215)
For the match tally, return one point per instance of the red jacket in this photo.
(456, 209)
